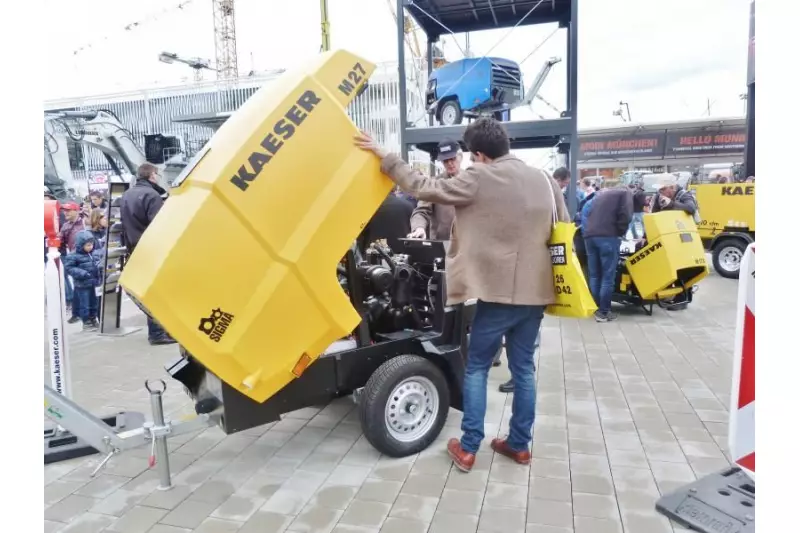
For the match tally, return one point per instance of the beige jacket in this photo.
(499, 242)
(435, 219)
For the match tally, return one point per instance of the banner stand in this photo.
(726, 501)
(60, 444)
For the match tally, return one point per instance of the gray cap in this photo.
(448, 149)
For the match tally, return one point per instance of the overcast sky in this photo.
(666, 59)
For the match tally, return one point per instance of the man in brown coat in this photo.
(434, 221)
(498, 255)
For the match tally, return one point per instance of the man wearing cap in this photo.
(433, 221)
(672, 196)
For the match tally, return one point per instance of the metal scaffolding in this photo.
(441, 17)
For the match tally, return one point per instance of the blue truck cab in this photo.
(472, 87)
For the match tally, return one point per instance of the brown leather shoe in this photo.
(501, 447)
(463, 460)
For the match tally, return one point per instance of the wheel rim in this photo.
(412, 408)
(730, 258)
(448, 115)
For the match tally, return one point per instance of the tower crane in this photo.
(225, 39)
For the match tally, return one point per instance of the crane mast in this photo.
(225, 40)
(325, 25)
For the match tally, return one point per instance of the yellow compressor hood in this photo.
(240, 263)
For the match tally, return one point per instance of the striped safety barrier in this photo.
(742, 424)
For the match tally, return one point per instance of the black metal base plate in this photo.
(60, 446)
(723, 501)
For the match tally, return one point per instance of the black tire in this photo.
(376, 396)
(718, 256)
(450, 106)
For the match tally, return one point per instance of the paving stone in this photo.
(631, 458)
(633, 522)
(428, 464)
(460, 502)
(69, 507)
(595, 505)
(213, 492)
(539, 528)
(350, 475)
(414, 507)
(551, 489)
(379, 490)
(52, 527)
(167, 499)
(550, 468)
(216, 525)
(334, 496)
(622, 441)
(473, 481)
(584, 524)
(594, 447)
(549, 513)
(118, 503)
(365, 514)
(424, 485)
(88, 523)
(102, 486)
(404, 525)
(266, 522)
(138, 520)
(188, 513)
(453, 523)
(161, 528)
(592, 483)
(238, 508)
(501, 520)
(703, 450)
(506, 471)
(58, 490)
(316, 519)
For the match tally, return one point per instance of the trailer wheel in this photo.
(450, 113)
(404, 405)
(727, 256)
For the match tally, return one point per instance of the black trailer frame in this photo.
(342, 373)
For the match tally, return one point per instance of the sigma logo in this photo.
(558, 254)
(216, 324)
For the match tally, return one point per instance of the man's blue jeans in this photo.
(520, 326)
(602, 254)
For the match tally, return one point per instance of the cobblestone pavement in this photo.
(626, 411)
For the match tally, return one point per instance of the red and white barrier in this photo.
(742, 424)
(56, 305)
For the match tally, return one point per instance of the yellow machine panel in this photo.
(240, 264)
(673, 256)
(725, 205)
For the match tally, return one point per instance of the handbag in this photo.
(573, 297)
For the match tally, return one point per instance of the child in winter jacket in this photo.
(84, 266)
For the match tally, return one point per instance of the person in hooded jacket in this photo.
(84, 266)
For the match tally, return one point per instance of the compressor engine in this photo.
(397, 291)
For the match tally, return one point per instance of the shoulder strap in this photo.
(549, 181)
